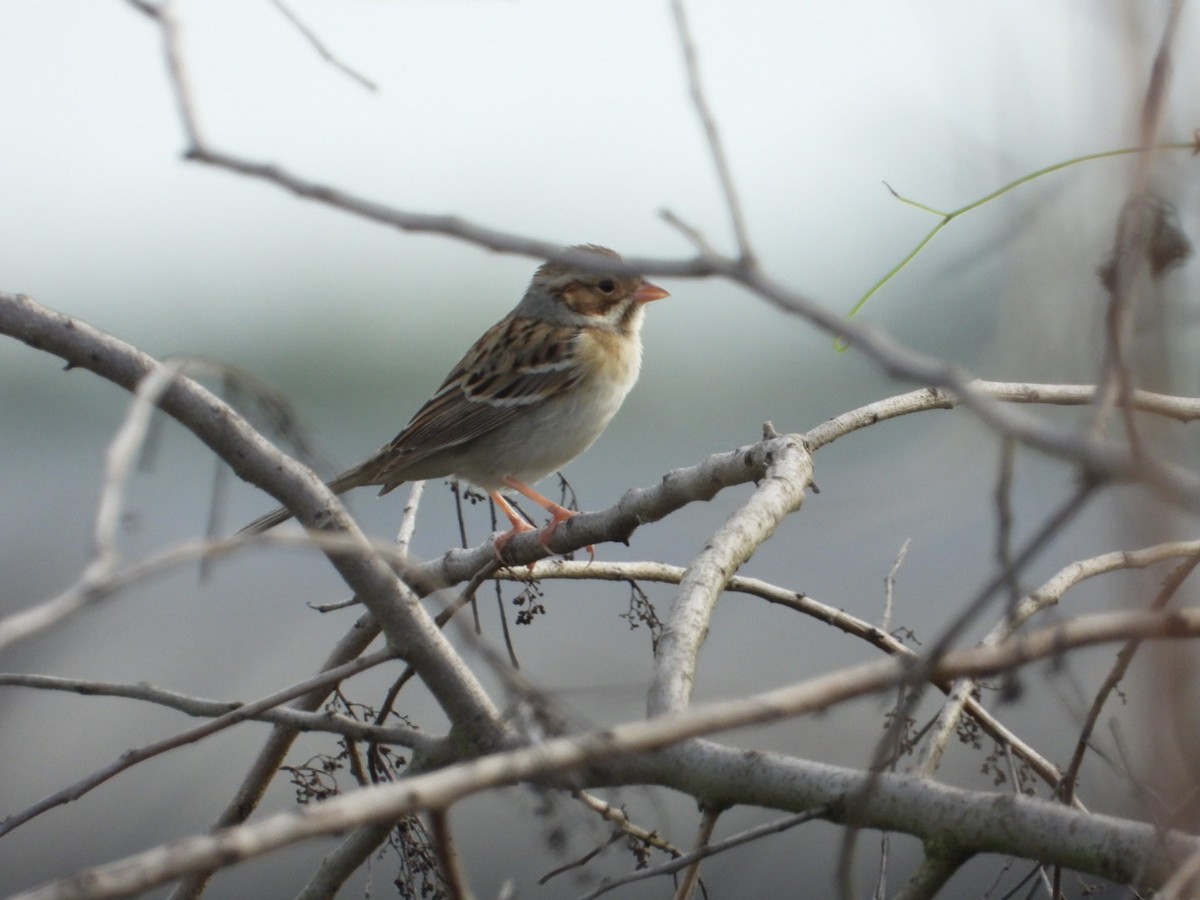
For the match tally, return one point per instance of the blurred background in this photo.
(568, 122)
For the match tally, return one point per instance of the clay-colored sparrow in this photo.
(532, 394)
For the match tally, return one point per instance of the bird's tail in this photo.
(339, 485)
(270, 520)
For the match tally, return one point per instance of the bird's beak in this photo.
(648, 292)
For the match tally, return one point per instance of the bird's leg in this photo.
(519, 525)
(558, 513)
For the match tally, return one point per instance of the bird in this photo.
(530, 395)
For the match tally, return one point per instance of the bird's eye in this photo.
(606, 285)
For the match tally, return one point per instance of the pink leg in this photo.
(558, 514)
(519, 525)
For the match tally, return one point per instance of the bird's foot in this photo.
(558, 515)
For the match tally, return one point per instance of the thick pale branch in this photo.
(637, 507)
(1184, 409)
(781, 491)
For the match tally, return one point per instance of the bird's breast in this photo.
(612, 359)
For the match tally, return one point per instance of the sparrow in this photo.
(531, 394)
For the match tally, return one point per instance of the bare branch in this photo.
(345, 860)
(623, 823)
(693, 234)
(131, 758)
(1100, 460)
(1047, 831)
(164, 13)
(1135, 225)
(1182, 409)
(624, 828)
(199, 707)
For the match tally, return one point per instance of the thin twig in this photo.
(1170, 588)
(321, 49)
(712, 135)
(132, 757)
(860, 628)
(200, 707)
(688, 859)
(885, 850)
(623, 827)
(693, 234)
(621, 820)
(177, 72)
(1047, 595)
(1004, 528)
(454, 875)
(583, 860)
(691, 875)
(889, 586)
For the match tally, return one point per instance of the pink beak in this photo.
(648, 292)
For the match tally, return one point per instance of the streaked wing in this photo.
(516, 364)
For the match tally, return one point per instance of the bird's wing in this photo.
(517, 364)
